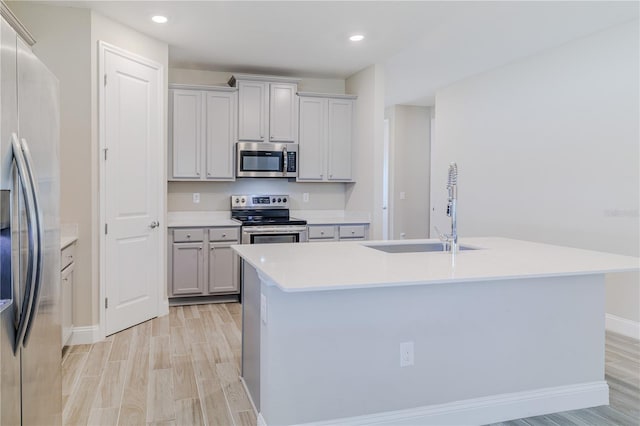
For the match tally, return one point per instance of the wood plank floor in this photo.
(182, 369)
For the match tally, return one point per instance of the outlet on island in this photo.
(406, 354)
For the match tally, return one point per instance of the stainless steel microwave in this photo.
(266, 159)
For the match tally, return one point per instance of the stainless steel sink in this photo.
(413, 247)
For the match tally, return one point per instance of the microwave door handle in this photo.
(285, 161)
(27, 299)
(39, 264)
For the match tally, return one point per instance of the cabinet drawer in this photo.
(187, 235)
(321, 232)
(67, 256)
(224, 234)
(351, 231)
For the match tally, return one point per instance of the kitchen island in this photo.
(345, 333)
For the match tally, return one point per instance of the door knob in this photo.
(154, 224)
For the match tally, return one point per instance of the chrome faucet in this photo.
(450, 241)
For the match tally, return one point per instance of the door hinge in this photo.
(106, 303)
(105, 153)
(105, 79)
(106, 229)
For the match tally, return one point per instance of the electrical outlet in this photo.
(305, 197)
(196, 197)
(406, 354)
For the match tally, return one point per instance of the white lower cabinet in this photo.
(66, 288)
(202, 263)
(338, 232)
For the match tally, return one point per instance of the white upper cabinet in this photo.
(253, 110)
(220, 134)
(283, 112)
(186, 134)
(267, 108)
(339, 136)
(326, 132)
(313, 139)
(203, 132)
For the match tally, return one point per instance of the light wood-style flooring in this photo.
(182, 369)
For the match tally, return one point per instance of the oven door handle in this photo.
(274, 229)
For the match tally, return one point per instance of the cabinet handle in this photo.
(65, 279)
(197, 173)
(330, 176)
(199, 248)
(208, 174)
(353, 232)
(224, 235)
(188, 235)
(321, 176)
(321, 232)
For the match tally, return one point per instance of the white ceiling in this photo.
(424, 45)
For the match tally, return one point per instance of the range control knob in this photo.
(279, 200)
(284, 200)
(273, 200)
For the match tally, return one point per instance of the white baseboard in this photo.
(163, 308)
(623, 326)
(85, 335)
(491, 409)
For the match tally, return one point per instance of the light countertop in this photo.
(351, 265)
(200, 219)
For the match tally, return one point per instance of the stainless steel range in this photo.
(265, 219)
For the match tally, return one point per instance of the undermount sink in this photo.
(413, 247)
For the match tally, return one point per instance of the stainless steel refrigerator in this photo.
(30, 348)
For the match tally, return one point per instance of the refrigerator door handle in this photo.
(25, 185)
(39, 264)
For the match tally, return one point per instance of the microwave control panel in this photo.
(291, 162)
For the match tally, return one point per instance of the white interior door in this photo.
(132, 142)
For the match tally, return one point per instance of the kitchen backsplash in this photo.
(215, 195)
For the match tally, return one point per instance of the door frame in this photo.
(163, 301)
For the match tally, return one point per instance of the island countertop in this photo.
(351, 265)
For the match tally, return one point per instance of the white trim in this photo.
(15, 23)
(163, 306)
(265, 78)
(85, 335)
(491, 409)
(103, 48)
(327, 95)
(181, 86)
(623, 326)
(261, 421)
(246, 390)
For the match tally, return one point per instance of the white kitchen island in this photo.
(510, 330)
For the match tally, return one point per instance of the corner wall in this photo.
(365, 195)
(548, 150)
(410, 165)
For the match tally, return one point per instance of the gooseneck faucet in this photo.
(450, 241)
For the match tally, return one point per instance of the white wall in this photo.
(215, 195)
(548, 150)
(69, 49)
(366, 194)
(410, 165)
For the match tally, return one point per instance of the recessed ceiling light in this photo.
(357, 37)
(159, 19)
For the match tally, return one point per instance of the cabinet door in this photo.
(186, 134)
(313, 144)
(220, 134)
(66, 284)
(223, 269)
(339, 139)
(187, 269)
(253, 109)
(283, 112)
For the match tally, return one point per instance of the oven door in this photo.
(274, 234)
